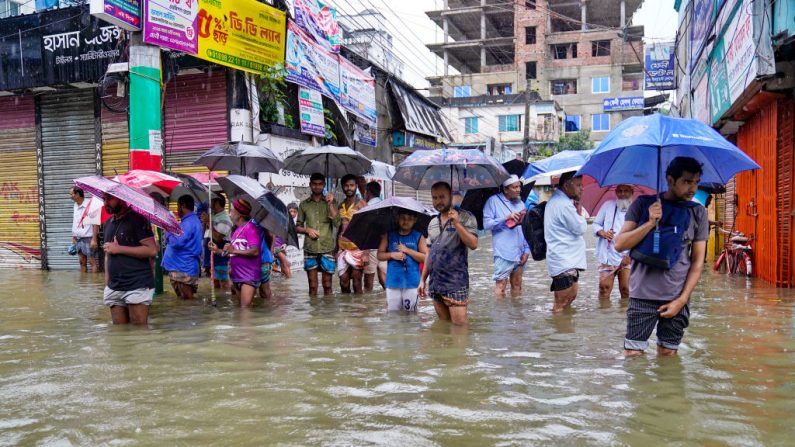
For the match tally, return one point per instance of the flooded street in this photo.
(340, 371)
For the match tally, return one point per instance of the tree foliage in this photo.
(575, 141)
(272, 97)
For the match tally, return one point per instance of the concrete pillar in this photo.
(623, 13)
(583, 15)
(446, 30)
(145, 125)
(446, 65)
(482, 58)
(482, 25)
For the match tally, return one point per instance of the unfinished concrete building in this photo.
(581, 54)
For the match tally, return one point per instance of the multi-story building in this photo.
(576, 53)
(366, 34)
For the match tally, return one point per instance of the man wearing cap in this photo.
(317, 219)
(245, 268)
(606, 226)
(503, 214)
(564, 228)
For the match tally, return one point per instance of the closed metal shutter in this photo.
(115, 143)
(68, 151)
(20, 242)
(196, 118)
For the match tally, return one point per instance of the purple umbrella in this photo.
(463, 168)
(137, 200)
(373, 221)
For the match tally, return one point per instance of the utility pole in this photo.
(526, 139)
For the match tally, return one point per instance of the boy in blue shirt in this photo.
(404, 249)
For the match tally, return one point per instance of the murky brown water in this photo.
(342, 372)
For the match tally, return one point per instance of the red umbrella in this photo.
(137, 200)
(150, 182)
(594, 196)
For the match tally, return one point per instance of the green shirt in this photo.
(315, 215)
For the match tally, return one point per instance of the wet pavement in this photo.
(340, 371)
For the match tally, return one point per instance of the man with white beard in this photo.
(606, 226)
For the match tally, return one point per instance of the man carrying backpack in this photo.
(667, 237)
(564, 228)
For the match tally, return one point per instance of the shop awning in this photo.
(419, 114)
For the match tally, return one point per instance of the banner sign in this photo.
(623, 103)
(310, 108)
(242, 34)
(357, 92)
(123, 13)
(172, 24)
(365, 133)
(55, 47)
(660, 65)
(320, 22)
(309, 65)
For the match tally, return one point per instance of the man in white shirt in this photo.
(564, 228)
(84, 235)
(606, 227)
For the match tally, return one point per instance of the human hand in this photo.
(227, 248)
(512, 217)
(329, 198)
(312, 233)
(112, 248)
(609, 235)
(655, 212)
(402, 248)
(523, 259)
(93, 244)
(454, 216)
(671, 309)
(398, 256)
(421, 289)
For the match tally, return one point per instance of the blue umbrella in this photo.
(639, 150)
(557, 162)
(464, 169)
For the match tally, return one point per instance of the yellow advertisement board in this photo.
(242, 34)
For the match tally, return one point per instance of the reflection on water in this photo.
(340, 371)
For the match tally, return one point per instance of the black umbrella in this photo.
(245, 158)
(370, 223)
(475, 199)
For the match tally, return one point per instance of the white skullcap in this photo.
(511, 180)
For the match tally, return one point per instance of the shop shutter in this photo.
(784, 167)
(115, 143)
(20, 240)
(196, 118)
(68, 151)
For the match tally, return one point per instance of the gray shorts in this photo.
(83, 245)
(126, 297)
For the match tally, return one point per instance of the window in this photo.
(498, 89)
(530, 70)
(509, 123)
(600, 85)
(572, 123)
(600, 48)
(471, 125)
(600, 122)
(564, 87)
(564, 51)
(530, 35)
(460, 91)
(530, 4)
(9, 8)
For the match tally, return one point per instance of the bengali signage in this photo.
(242, 34)
(123, 13)
(61, 46)
(309, 65)
(319, 21)
(357, 92)
(365, 133)
(699, 27)
(660, 65)
(310, 110)
(172, 24)
(623, 103)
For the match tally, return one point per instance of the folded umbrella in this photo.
(563, 161)
(463, 168)
(135, 199)
(373, 221)
(245, 158)
(266, 209)
(331, 161)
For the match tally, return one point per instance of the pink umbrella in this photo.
(137, 200)
(594, 196)
(205, 177)
(149, 181)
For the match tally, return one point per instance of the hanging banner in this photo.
(172, 24)
(242, 34)
(122, 13)
(365, 133)
(310, 108)
(702, 13)
(357, 91)
(319, 21)
(660, 66)
(309, 65)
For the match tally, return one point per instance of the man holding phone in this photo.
(503, 214)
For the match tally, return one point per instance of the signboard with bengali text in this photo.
(122, 13)
(310, 111)
(309, 65)
(319, 20)
(623, 103)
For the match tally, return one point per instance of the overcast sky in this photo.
(412, 29)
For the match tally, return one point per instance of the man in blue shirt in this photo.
(183, 253)
(502, 215)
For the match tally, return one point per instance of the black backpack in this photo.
(533, 230)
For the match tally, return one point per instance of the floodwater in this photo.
(340, 371)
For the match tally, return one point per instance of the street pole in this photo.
(146, 143)
(526, 139)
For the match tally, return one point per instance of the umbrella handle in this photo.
(210, 224)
